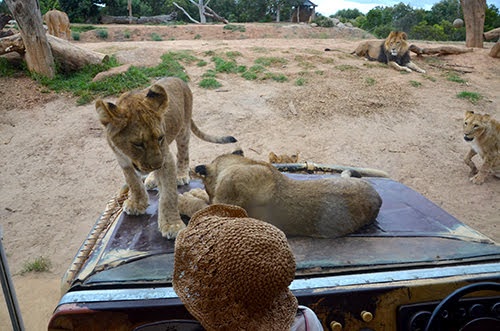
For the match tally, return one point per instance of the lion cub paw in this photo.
(132, 207)
(192, 201)
(183, 180)
(477, 179)
(150, 182)
(170, 230)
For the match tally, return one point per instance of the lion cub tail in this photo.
(211, 138)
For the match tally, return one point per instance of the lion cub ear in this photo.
(109, 114)
(468, 112)
(158, 95)
(404, 35)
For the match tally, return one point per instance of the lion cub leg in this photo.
(470, 163)
(169, 219)
(182, 141)
(484, 171)
(150, 182)
(138, 201)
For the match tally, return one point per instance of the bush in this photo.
(323, 21)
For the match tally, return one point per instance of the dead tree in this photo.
(474, 14)
(38, 53)
(204, 11)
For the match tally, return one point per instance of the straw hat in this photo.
(232, 272)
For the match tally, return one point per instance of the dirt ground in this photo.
(57, 172)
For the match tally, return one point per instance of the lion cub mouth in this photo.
(468, 139)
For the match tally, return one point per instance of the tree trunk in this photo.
(201, 9)
(38, 54)
(474, 14)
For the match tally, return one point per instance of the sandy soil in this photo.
(57, 173)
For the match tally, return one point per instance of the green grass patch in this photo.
(197, 36)
(126, 34)
(82, 28)
(271, 61)
(156, 37)
(301, 81)
(432, 79)
(40, 264)
(7, 69)
(234, 27)
(414, 83)
(280, 78)
(370, 81)
(345, 67)
(473, 97)
(80, 83)
(209, 83)
(75, 35)
(101, 33)
(453, 77)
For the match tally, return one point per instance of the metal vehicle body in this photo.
(391, 275)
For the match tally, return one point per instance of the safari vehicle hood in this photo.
(124, 251)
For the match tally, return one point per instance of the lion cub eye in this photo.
(160, 139)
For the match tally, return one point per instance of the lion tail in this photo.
(211, 138)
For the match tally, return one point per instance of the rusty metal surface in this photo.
(409, 231)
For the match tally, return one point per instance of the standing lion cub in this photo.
(483, 134)
(321, 208)
(139, 129)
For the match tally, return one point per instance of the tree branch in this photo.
(185, 12)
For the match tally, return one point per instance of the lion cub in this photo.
(322, 208)
(483, 133)
(139, 129)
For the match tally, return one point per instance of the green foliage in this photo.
(75, 35)
(348, 14)
(453, 77)
(473, 97)
(40, 264)
(271, 61)
(7, 69)
(301, 81)
(82, 28)
(222, 65)
(101, 33)
(280, 78)
(209, 83)
(80, 83)
(156, 37)
(197, 36)
(234, 27)
(414, 83)
(126, 34)
(323, 21)
(370, 81)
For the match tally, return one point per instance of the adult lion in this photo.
(57, 23)
(394, 51)
(139, 129)
(321, 208)
(483, 134)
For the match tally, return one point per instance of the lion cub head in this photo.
(397, 43)
(475, 125)
(134, 127)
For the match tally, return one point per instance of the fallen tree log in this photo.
(492, 34)
(159, 19)
(441, 50)
(68, 55)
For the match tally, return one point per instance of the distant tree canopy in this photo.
(434, 24)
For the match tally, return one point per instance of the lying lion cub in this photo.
(323, 208)
(483, 134)
(139, 129)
